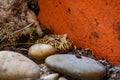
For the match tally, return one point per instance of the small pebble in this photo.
(53, 76)
(41, 51)
(114, 73)
(62, 78)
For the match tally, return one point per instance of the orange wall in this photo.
(89, 23)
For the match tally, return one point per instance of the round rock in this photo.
(41, 51)
(14, 65)
(83, 68)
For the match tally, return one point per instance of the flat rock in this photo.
(14, 65)
(83, 68)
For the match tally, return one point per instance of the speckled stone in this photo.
(83, 68)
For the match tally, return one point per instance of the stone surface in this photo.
(83, 68)
(62, 78)
(53, 76)
(41, 51)
(14, 65)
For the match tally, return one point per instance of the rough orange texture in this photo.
(89, 23)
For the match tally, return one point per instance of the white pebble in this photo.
(62, 78)
(53, 76)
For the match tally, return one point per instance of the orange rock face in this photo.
(93, 23)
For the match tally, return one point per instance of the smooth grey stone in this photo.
(83, 68)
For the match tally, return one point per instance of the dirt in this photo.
(18, 23)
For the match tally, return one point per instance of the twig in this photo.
(29, 25)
